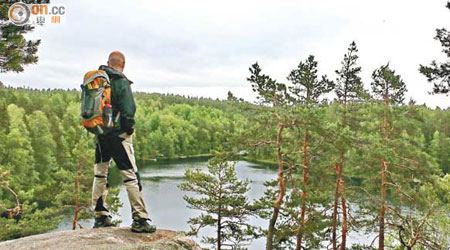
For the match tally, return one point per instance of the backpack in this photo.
(96, 109)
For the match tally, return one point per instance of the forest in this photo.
(326, 166)
(46, 155)
(351, 156)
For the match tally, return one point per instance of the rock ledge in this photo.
(104, 238)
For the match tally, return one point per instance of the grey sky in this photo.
(204, 47)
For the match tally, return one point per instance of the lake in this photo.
(165, 203)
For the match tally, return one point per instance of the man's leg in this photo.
(131, 183)
(100, 189)
(123, 155)
(100, 185)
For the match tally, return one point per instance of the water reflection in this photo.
(164, 199)
(166, 206)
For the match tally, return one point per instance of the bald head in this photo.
(116, 61)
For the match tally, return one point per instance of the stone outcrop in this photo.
(103, 238)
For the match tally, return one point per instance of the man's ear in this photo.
(107, 63)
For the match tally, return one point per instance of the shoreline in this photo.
(156, 161)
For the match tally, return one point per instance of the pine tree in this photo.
(307, 88)
(223, 201)
(439, 73)
(305, 93)
(15, 50)
(270, 92)
(349, 86)
(390, 89)
(273, 98)
(411, 180)
(394, 166)
(349, 90)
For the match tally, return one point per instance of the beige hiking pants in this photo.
(120, 149)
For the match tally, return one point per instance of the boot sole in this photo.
(104, 226)
(142, 231)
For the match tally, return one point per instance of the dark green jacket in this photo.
(121, 100)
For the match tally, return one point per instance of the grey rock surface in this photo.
(103, 238)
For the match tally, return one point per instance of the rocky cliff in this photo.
(104, 238)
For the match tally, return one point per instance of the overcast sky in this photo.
(205, 47)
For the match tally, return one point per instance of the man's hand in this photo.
(130, 131)
(125, 136)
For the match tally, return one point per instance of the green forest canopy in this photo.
(41, 139)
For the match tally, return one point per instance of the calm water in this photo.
(165, 202)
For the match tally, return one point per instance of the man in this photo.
(118, 145)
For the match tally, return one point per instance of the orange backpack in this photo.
(96, 109)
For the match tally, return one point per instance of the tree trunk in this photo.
(335, 207)
(383, 206)
(344, 216)
(305, 172)
(382, 212)
(219, 215)
(219, 228)
(77, 201)
(339, 185)
(279, 200)
(273, 220)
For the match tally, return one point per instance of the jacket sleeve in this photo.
(127, 106)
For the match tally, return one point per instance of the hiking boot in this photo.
(142, 226)
(103, 221)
